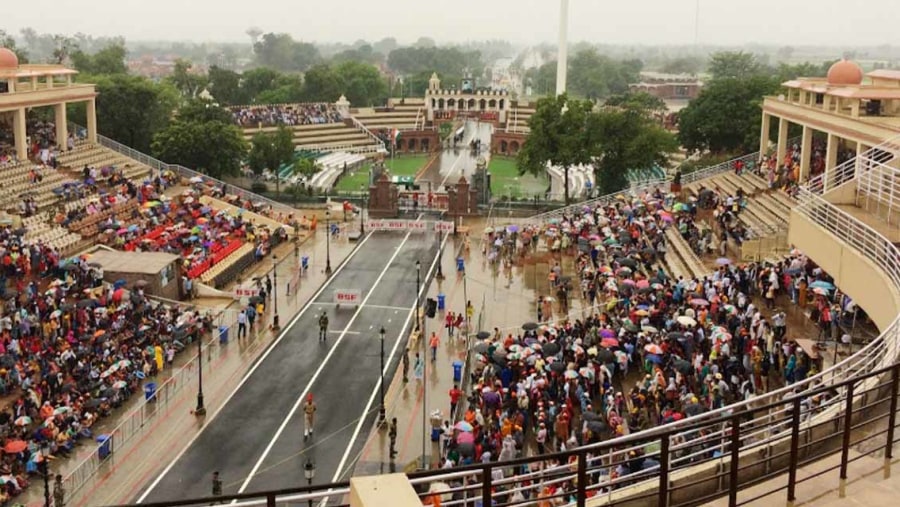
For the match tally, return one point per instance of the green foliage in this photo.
(362, 54)
(259, 187)
(288, 88)
(558, 136)
(212, 147)
(256, 81)
(362, 84)
(725, 117)
(203, 111)
(542, 80)
(130, 109)
(638, 101)
(322, 83)
(109, 60)
(271, 150)
(188, 83)
(305, 167)
(282, 52)
(597, 76)
(734, 65)
(624, 138)
(684, 65)
(225, 86)
(451, 63)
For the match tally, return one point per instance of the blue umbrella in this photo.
(821, 284)
(654, 358)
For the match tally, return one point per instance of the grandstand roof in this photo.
(149, 263)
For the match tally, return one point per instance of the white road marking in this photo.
(252, 369)
(362, 418)
(461, 155)
(320, 369)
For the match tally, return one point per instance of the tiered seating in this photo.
(333, 167)
(15, 182)
(405, 118)
(325, 137)
(692, 265)
(236, 262)
(57, 237)
(233, 210)
(517, 119)
(99, 156)
(218, 253)
(89, 226)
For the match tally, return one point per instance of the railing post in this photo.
(733, 466)
(845, 445)
(892, 420)
(486, 485)
(581, 495)
(794, 457)
(663, 500)
(270, 500)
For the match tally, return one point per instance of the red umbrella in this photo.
(118, 295)
(15, 446)
(609, 342)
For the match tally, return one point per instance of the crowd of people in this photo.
(647, 349)
(290, 115)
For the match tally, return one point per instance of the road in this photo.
(256, 441)
(460, 161)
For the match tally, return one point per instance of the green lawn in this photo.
(506, 181)
(399, 166)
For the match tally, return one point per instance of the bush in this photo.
(259, 187)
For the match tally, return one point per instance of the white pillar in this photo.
(562, 61)
(62, 128)
(782, 141)
(764, 135)
(830, 160)
(20, 134)
(92, 121)
(805, 154)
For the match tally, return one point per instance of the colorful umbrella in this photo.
(464, 426)
(653, 348)
(684, 320)
(609, 342)
(15, 446)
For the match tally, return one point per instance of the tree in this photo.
(361, 83)
(595, 76)
(558, 137)
(542, 80)
(725, 117)
(256, 81)
(271, 150)
(643, 102)
(188, 83)
(683, 65)
(735, 64)
(212, 147)
(622, 138)
(225, 86)
(306, 168)
(63, 48)
(254, 33)
(109, 60)
(385, 46)
(288, 88)
(282, 52)
(130, 109)
(203, 111)
(322, 84)
(451, 63)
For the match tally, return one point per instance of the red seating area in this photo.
(218, 253)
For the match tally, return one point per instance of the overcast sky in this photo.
(732, 22)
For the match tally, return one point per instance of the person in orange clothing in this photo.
(433, 343)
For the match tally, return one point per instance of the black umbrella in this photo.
(466, 449)
(87, 303)
(483, 335)
(683, 366)
(66, 307)
(675, 335)
(529, 326)
(590, 416)
(499, 355)
(596, 426)
(7, 361)
(481, 348)
(255, 300)
(550, 349)
(94, 403)
(565, 279)
(627, 261)
(605, 356)
(557, 366)
(692, 409)
(70, 267)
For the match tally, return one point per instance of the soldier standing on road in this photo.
(309, 410)
(392, 434)
(406, 365)
(323, 327)
(216, 485)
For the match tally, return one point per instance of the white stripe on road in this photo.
(362, 418)
(252, 369)
(320, 369)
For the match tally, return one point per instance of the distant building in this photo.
(669, 87)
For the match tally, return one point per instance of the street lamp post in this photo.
(200, 410)
(45, 466)
(381, 410)
(418, 285)
(328, 242)
(309, 470)
(275, 323)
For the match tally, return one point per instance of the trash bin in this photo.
(460, 264)
(435, 434)
(105, 448)
(304, 263)
(457, 370)
(442, 301)
(223, 334)
(150, 391)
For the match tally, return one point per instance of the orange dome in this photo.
(845, 72)
(8, 59)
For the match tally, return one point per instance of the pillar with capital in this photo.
(806, 148)
(782, 141)
(764, 135)
(62, 127)
(831, 153)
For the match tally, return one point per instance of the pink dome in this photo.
(845, 72)
(8, 59)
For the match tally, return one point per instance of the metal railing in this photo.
(878, 191)
(359, 125)
(600, 201)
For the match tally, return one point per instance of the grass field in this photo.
(506, 181)
(399, 166)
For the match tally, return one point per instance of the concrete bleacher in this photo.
(517, 119)
(233, 210)
(681, 254)
(325, 137)
(15, 182)
(333, 166)
(407, 117)
(40, 230)
(87, 154)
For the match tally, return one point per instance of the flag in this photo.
(395, 135)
